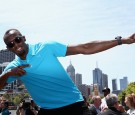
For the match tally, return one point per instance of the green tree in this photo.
(129, 90)
(16, 100)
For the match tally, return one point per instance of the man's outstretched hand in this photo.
(18, 71)
(130, 39)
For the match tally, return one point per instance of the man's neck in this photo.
(23, 57)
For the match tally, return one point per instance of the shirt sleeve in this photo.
(10, 66)
(58, 49)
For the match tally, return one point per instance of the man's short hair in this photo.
(111, 99)
(106, 89)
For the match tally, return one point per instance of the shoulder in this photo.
(46, 44)
(11, 65)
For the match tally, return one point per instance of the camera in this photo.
(26, 103)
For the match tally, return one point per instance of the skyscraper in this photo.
(104, 80)
(97, 78)
(78, 79)
(71, 71)
(114, 85)
(123, 83)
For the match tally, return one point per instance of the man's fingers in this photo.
(24, 66)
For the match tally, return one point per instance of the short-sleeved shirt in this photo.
(46, 80)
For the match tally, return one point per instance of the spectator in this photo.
(130, 102)
(85, 107)
(121, 107)
(27, 107)
(95, 108)
(113, 105)
(4, 106)
(106, 91)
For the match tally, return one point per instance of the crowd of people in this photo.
(50, 86)
(110, 105)
(107, 105)
(26, 107)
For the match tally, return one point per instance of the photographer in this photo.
(4, 108)
(27, 107)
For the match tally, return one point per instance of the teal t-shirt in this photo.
(46, 80)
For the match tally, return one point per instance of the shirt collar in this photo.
(31, 50)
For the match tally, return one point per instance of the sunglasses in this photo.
(18, 39)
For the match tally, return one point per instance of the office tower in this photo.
(71, 71)
(78, 79)
(97, 78)
(123, 83)
(114, 85)
(104, 80)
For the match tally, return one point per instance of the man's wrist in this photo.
(118, 38)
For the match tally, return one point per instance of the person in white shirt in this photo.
(106, 91)
(130, 102)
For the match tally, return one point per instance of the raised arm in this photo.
(97, 46)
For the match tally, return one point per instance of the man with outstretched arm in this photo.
(44, 76)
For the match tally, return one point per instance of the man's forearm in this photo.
(3, 80)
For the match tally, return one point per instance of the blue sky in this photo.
(75, 22)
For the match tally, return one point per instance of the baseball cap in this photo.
(106, 89)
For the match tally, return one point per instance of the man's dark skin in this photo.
(21, 50)
(106, 93)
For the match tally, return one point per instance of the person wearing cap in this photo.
(106, 91)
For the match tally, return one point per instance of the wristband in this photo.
(118, 38)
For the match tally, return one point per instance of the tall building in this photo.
(78, 79)
(104, 80)
(71, 71)
(114, 85)
(6, 56)
(97, 78)
(85, 90)
(123, 83)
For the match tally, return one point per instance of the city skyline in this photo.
(76, 22)
(118, 87)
